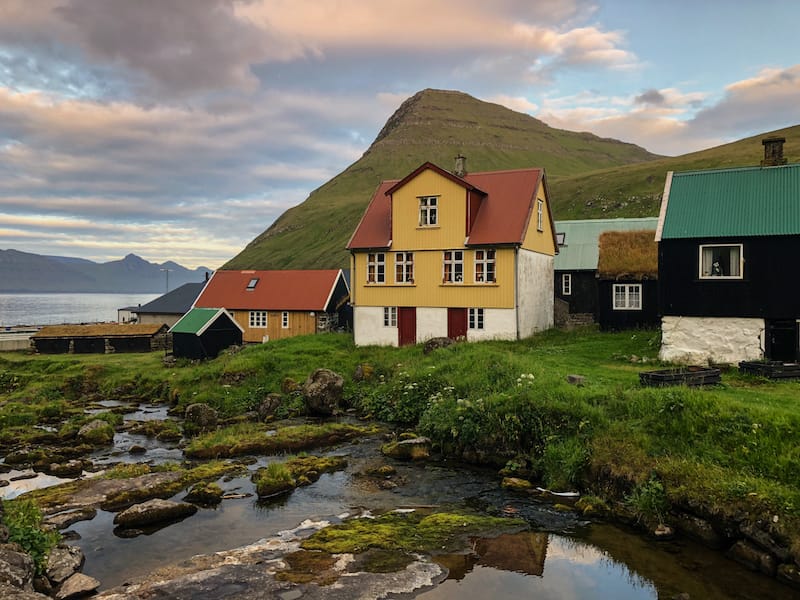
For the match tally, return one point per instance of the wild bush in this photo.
(24, 521)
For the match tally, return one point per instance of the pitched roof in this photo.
(751, 201)
(197, 320)
(273, 290)
(502, 218)
(176, 302)
(628, 255)
(100, 330)
(581, 238)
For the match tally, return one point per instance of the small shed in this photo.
(102, 338)
(204, 333)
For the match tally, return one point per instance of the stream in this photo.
(562, 557)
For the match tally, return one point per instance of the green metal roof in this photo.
(579, 251)
(196, 320)
(753, 201)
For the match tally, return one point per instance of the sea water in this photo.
(58, 308)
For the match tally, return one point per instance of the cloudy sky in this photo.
(180, 129)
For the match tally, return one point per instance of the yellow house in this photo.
(459, 256)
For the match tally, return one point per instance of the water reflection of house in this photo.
(523, 552)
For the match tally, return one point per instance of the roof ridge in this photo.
(731, 169)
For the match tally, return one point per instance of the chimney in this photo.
(461, 165)
(206, 274)
(773, 152)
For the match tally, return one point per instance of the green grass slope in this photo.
(433, 125)
(635, 190)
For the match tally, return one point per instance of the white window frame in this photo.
(540, 215)
(258, 319)
(476, 318)
(485, 266)
(428, 211)
(376, 267)
(705, 273)
(628, 299)
(285, 319)
(390, 316)
(566, 284)
(453, 266)
(404, 267)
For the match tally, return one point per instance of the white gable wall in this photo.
(534, 292)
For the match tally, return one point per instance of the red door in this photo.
(456, 323)
(406, 325)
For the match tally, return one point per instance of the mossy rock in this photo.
(97, 433)
(411, 449)
(205, 494)
(515, 483)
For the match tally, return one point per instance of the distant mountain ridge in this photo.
(23, 272)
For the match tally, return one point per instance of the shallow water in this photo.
(563, 557)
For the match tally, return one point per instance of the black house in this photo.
(576, 277)
(204, 333)
(729, 241)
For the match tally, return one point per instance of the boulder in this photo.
(322, 392)
(436, 343)
(201, 416)
(268, 406)
(363, 373)
(77, 586)
(414, 449)
(16, 567)
(516, 483)
(65, 519)
(9, 592)
(205, 494)
(153, 511)
(70, 469)
(764, 540)
(576, 380)
(62, 563)
(699, 530)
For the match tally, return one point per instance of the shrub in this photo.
(649, 501)
(24, 521)
(563, 463)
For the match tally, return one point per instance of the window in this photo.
(561, 238)
(404, 267)
(627, 296)
(476, 318)
(453, 266)
(428, 211)
(721, 261)
(252, 284)
(566, 284)
(540, 215)
(285, 320)
(390, 316)
(484, 266)
(258, 318)
(376, 267)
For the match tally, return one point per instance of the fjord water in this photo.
(562, 557)
(58, 308)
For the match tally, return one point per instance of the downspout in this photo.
(516, 288)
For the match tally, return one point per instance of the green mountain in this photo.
(435, 126)
(588, 176)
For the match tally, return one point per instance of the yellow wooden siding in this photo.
(452, 214)
(428, 289)
(535, 240)
(300, 323)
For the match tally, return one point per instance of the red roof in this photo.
(273, 290)
(502, 218)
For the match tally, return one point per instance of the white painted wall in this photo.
(701, 340)
(498, 324)
(368, 329)
(431, 323)
(534, 292)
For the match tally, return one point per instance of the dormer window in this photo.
(252, 284)
(428, 211)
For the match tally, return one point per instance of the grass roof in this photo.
(100, 330)
(628, 255)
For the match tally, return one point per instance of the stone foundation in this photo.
(706, 340)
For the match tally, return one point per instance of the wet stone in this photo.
(753, 558)
(77, 586)
(414, 449)
(65, 519)
(9, 592)
(63, 562)
(16, 567)
(153, 511)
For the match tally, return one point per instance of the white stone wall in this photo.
(701, 340)
(498, 324)
(534, 292)
(368, 329)
(431, 323)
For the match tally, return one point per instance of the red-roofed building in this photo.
(443, 255)
(271, 305)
